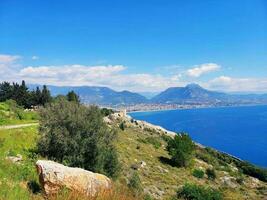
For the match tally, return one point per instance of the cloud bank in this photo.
(116, 77)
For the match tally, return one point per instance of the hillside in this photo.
(11, 113)
(142, 150)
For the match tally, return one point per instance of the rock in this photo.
(15, 159)
(134, 166)
(142, 164)
(228, 181)
(53, 176)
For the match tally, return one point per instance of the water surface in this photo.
(240, 131)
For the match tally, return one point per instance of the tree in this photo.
(6, 91)
(181, 149)
(45, 96)
(72, 96)
(76, 135)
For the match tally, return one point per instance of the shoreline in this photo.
(205, 107)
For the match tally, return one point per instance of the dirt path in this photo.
(17, 126)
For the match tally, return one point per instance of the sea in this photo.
(239, 131)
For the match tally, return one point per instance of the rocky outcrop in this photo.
(54, 176)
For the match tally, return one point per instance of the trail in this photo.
(17, 126)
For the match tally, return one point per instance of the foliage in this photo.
(77, 136)
(211, 173)
(122, 126)
(11, 113)
(23, 96)
(106, 111)
(252, 170)
(196, 192)
(135, 183)
(181, 149)
(72, 96)
(198, 173)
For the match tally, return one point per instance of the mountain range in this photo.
(190, 94)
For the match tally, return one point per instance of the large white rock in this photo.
(53, 176)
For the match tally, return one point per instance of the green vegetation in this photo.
(18, 181)
(198, 173)
(11, 113)
(211, 174)
(181, 150)
(72, 96)
(76, 135)
(106, 111)
(69, 129)
(135, 183)
(23, 96)
(196, 192)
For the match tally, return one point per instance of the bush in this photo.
(198, 173)
(195, 192)
(135, 183)
(122, 126)
(76, 136)
(252, 170)
(211, 174)
(181, 150)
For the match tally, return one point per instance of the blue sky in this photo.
(146, 45)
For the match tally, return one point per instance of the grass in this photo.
(157, 177)
(16, 179)
(11, 113)
(161, 178)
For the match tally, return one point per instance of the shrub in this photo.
(211, 174)
(122, 126)
(135, 183)
(181, 150)
(252, 170)
(195, 192)
(76, 136)
(198, 173)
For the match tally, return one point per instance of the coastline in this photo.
(204, 107)
(172, 134)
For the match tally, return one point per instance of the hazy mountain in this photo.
(98, 95)
(190, 94)
(193, 93)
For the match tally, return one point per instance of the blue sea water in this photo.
(240, 131)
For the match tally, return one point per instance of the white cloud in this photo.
(232, 84)
(7, 59)
(35, 57)
(202, 69)
(109, 75)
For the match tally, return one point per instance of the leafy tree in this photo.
(77, 136)
(72, 96)
(181, 149)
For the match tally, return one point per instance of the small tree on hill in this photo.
(72, 96)
(181, 149)
(77, 136)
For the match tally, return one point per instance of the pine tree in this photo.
(72, 96)
(45, 96)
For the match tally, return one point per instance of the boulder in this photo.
(54, 176)
(15, 159)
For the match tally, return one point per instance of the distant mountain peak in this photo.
(193, 86)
